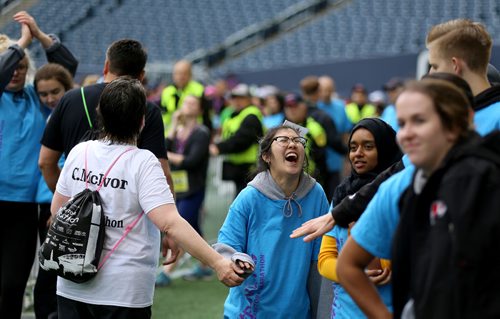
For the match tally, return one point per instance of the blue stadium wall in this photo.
(373, 73)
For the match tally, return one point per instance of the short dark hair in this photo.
(57, 72)
(121, 109)
(126, 57)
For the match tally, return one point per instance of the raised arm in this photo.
(55, 50)
(9, 59)
(23, 17)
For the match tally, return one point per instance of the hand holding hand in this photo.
(26, 37)
(228, 272)
(24, 18)
(246, 267)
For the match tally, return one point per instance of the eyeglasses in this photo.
(284, 141)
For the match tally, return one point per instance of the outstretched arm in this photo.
(351, 207)
(167, 219)
(348, 210)
(314, 228)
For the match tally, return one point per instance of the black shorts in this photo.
(71, 309)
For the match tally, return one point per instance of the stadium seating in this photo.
(363, 29)
(169, 29)
(172, 29)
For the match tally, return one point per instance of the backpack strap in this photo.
(127, 230)
(109, 169)
(86, 108)
(111, 166)
(129, 227)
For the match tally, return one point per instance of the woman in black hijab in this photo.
(388, 153)
(372, 149)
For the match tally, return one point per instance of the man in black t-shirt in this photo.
(70, 121)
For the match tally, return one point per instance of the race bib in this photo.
(180, 179)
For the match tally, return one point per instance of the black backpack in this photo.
(75, 239)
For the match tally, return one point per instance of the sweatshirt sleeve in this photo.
(351, 207)
(60, 54)
(327, 259)
(234, 229)
(8, 64)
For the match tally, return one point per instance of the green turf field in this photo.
(200, 299)
(190, 300)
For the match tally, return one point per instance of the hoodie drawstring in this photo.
(288, 208)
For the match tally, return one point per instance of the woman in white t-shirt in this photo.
(124, 286)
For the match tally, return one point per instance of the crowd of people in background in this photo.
(395, 189)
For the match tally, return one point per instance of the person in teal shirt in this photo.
(279, 199)
(22, 121)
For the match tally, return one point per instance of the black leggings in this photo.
(46, 282)
(18, 232)
(72, 309)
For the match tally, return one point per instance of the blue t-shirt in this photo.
(336, 110)
(273, 120)
(389, 116)
(22, 121)
(343, 307)
(257, 226)
(376, 227)
(488, 119)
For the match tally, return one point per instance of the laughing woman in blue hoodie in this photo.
(280, 198)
